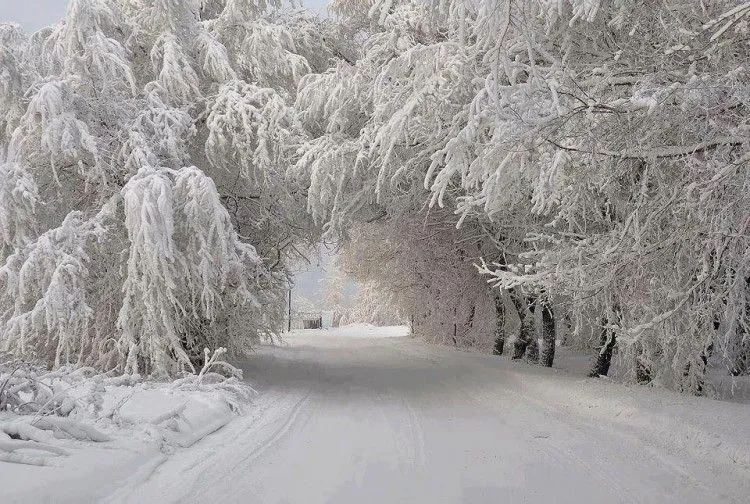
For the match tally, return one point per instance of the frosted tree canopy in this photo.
(146, 209)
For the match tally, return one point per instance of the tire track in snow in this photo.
(140, 477)
(227, 469)
(210, 463)
(526, 410)
(417, 433)
(281, 431)
(259, 417)
(403, 423)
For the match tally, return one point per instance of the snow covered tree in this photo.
(117, 252)
(636, 143)
(378, 124)
(422, 269)
(13, 78)
(604, 142)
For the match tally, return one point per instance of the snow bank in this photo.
(170, 414)
(98, 431)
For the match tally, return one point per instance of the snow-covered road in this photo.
(349, 419)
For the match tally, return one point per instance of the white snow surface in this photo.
(361, 414)
(141, 422)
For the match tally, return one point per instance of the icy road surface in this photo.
(361, 418)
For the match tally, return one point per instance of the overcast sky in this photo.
(36, 14)
(32, 14)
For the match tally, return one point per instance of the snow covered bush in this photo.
(36, 408)
(49, 414)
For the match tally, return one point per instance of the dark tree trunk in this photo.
(499, 324)
(549, 333)
(526, 343)
(455, 326)
(705, 355)
(289, 326)
(698, 385)
(607, 342)
(470, 319)
(642, 371)
(522, 341)
(568, 324)
(532, 350)
(740, 364)
(466, 331)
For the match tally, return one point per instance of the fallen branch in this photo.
(11, 445)
(661, 152)
(72, 429)
(22, 458)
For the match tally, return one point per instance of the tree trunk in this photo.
(455, 327)
(740, 356)
(549, 333)
(522, 341)
(740, 360)
(470, 320)
(568, 330)
(289, 326)
(532, 350)
(468, 325)
(499, 324)
(526, 343)
(607, 342)
(642, 371)
(698, 383)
